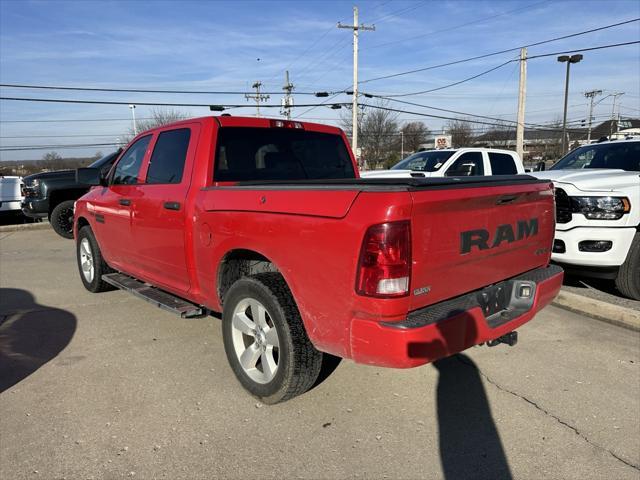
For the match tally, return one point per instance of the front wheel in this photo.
(62, 219)
(90, 262)
(628, 279)
(265, 341)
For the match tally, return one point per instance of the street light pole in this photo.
(133, 119)
(569, 59)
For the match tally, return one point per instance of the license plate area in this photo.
(504, 301)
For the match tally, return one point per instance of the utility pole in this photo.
(133, 119)
(355, 27)
(613, 113)
(522, 96)
(401, 144)
(591, 95)
(287, 100)
(258, 97)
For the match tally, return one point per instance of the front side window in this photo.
(502, 164)
(246, 154)
(169, 156)
(468, 164)
(128, 167)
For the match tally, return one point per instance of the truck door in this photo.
(159, 219)
(113, 207)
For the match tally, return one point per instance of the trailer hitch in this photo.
(510, 339)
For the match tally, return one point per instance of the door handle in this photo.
(125, 202)
(172, 205)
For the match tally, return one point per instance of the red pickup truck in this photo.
(268, 222)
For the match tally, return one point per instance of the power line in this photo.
(478, 57)
(585, 49)
(138, 90)
(506, 63)
(486, 72)
(480, 20)
(17, 148)
(479, 122)
(76, 120)
(63, 136)
(156, 104)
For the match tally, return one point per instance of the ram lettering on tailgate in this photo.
(504, 233)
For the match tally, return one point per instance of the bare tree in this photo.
(461, 133)
(159, 117)
(377, 134)
(415, 134)
(501, 135)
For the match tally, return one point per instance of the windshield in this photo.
(104, 163)
(247, 154)
(424, 161)
(620, 156)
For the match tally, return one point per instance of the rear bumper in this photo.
(10, 206)
(445, 328)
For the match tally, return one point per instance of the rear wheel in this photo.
(62, 219)
(628, 279)
(91, 265)
(265, 340)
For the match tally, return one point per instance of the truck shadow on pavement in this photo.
(470, 445)
(30, 335)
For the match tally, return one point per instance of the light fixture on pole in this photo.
(133, 119)
(569, 59)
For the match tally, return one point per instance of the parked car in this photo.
(267, 222)
(10, 195)
(598, 212)
(52, 195)
(453, 163)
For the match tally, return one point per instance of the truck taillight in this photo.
(384, 268)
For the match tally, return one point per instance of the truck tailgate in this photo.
(473, 236)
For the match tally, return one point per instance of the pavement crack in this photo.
(549, 414)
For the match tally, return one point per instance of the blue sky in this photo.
(222, 45)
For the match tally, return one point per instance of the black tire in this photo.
(61, 219)
(628, 279)
(96, 284)
(298, 363)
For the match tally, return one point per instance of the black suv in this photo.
(52, 195)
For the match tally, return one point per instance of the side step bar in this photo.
(159, 298)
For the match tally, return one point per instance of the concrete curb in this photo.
(603, 311)
(25, 226)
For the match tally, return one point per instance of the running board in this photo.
(159, 298)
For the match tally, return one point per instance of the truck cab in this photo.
(453, 163)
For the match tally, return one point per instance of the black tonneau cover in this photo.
(390, 184)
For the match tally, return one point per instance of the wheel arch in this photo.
(58, 196)
(239, 263)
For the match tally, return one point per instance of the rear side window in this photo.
(467, 164)
(246, 154)
(128, 167)
(502, 164)
(169, 155)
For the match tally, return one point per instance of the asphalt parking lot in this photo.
(107, 386)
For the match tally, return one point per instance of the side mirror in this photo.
(89, 176)
(540, 167)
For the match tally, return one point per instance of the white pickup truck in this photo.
(10, 195)
(453, 163)
(598, 212)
